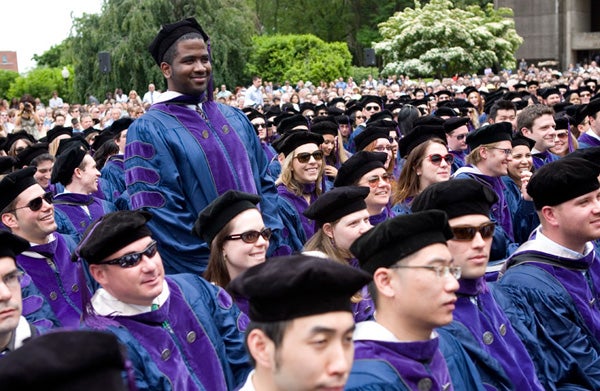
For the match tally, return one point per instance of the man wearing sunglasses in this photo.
(552, 280)
(370, 104)
(480, 325)
(181, 332)
(27, 211)
(456, 136)
(414, 290)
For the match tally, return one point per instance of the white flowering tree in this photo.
(438, 39)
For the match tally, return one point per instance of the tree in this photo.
(438, 39)
(6, 79)
(57, 56)
(296, 57)
(125, 28)
(40, 82)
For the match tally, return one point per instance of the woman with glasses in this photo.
(333, 151)
(367, 169)
(259, 123)
(341, 216)
(301, 180)
(376, 138)
(564, 141)
(427, 162)
(233, 228)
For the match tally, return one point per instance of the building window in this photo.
(4, 59)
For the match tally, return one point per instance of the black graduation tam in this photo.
(306, 106)
(252, 113)
(295, 286)
(25, 157)
(519, 139)
(332, 110)
(591, 154)
(443, 92)
(290, 122)
(90, 130)
(419, 135)
(546, 92)
(102, 137)
(470, 89)
(66, 360)
(366, 99)
(111, 233)
(445, 111)
(272, 110)
(336, 100)
(428, 120)
(456, 197)
(399, 237)
(296, 139)
(11, 245)
(221, 211)
(6, 164)
(120, 125)
(563, 180)
(13, 137)
(289, 106)
(337, 203)
(66, 163)
(342, 119)
(370, 134)
(14, 184)
(454, 123)
(58, 131)
(560, 107)
(533, 83)
(563, 122)
(358, 165)
(169, 33)
(384, 115)
(75, 141)
(593, 107)
(324, 127)
(489, 134)
(520, 104)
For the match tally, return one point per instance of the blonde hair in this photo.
(287, 177)
(474, 157)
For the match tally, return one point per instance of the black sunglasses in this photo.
(304, 157)
(130, 260)
(468, 232)
(36, 203)
(251, 236)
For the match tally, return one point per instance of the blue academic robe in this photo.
(113, 182)
(71, 219)
(587, 141)
(541, 158)
(524, 216)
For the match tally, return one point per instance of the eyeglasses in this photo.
(258, 126)
(304, 157)
(13, 280)
(467, 232)
(460, 137)
(131, 260)
(436, 158)
(383, 148)
(507, 151)
(360, 117)
(372, 108)
(36, 203)
(440, 271)
(373, 180)
(251, 236)
(562, 136)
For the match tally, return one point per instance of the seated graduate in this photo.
(552, 280)
(181, 332)
(480, 325)
(300, 335)
(341, 216)
(414, 285)
(234, 229)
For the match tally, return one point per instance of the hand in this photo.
(525, 177)
(331, 171)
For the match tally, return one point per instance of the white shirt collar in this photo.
(105, 304)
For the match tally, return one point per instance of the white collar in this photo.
(105, 304)
(373, 331)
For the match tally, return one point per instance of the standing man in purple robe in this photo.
(187, 150)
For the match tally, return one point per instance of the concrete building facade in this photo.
(564, 31)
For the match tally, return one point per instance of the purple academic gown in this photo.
(587, 141)
(381, 217)
(300, 205)
(56, 277)
(477, 310)
(541, 158)
(70, 216)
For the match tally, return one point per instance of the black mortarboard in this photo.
(76, 141)
(546, 92)
(169, 33)
(370, 134)
(13, 137)
(445, 111)
(324, 127)
(296, 139)
(6, 164)
(489, 134)
(25, 157)
(111, 233)
(454, 123)
(58, 131)
(66, 163)
(120, 125)
(11, 245)
(419, 135)
(66, 361)
(563, 180)
(366, 99)
(337, 203)
(358, 165)
(456, 197)
(295, 286)
(399, 237)
(519, 139)
(14, 184)
(290, 122)
(221, 211)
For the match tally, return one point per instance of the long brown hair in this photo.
(216, 270)
(287, 176)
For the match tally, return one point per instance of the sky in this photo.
(34, 26)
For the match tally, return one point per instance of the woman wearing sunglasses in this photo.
(333, 151)
(234, 229)
(259, 123)
(367, 169)
(341, 216)
(427, 162)
(564, 141)
(301, 179)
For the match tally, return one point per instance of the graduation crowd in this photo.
(391, 236)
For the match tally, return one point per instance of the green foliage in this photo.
(440, 39)
(298, 57)
(40, 82)
(125, 28)
(57, 56)
(6, 79)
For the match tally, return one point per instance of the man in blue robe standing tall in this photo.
(187, 150)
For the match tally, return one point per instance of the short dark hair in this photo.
(501, 105)
(42, 158)
(273, 330)
(171, 52)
